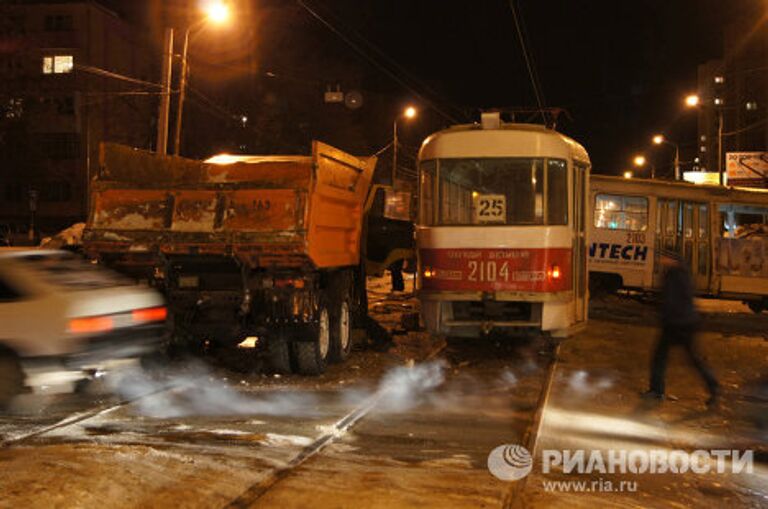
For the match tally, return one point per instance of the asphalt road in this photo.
(385, 434)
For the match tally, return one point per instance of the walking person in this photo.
(679, 323)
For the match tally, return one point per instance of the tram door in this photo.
(580, 242)
(683, 228)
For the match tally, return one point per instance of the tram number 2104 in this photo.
(487, 271)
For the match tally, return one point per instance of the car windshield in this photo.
(71, 272)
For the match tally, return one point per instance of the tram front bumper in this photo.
(473, 314)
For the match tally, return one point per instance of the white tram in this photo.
(721, 232)
(501, 231)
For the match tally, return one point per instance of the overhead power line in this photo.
(527, 58)
(373, 61)
(109, 74)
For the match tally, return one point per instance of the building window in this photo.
(14, 108)
(58, 64)
(58, 23)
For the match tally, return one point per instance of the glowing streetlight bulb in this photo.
(692, 101)
(217, 12)
(639, 160)
(410, 112)
(658, 139)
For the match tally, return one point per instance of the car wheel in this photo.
(312, 355)
(341, 332)
(11, 378)
(280, 354)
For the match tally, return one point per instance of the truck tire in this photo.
(11, 378)
(757, 306)
(312, 356)
(341, 331)
(280, 354)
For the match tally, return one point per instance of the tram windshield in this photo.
(494, 191)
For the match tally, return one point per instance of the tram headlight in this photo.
(428, 272)
(554, 272)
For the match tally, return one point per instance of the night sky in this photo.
(620, 68)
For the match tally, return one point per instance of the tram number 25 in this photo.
(491, 208)
(488, 271)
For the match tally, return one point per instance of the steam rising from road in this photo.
(196, 391)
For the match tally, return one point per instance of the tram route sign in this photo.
(748, 169)
(490, 208)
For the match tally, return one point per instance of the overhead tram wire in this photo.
(392, 62)
(528, 62)
(384, 69)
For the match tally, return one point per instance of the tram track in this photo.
(514, 498)
(255, 492)
(80, 417)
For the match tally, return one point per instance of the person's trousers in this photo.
(396, 271)
(683, 336)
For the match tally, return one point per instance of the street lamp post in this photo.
(409, 113)
(218, 13)
(658, 140)
(693, 101)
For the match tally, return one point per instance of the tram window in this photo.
(688, 221)
(742, 221)
(557, 192)
(703, 221)
(492, 191)
(426, 192)
(616, 212)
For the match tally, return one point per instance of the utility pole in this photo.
(720, 146)
(182, 94)
(394, 153)
(165, 95)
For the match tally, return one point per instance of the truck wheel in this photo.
(11, 378)
(280, 354)
(312, 356)
(341, 332)
(757, 306)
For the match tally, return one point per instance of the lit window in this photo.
(703, 148)
(58, 64)
(718, 101)
(719, 79)
(703, 137)
(751, 106)
(618, 212)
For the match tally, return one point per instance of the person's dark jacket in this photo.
(677, 307)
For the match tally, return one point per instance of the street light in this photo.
(409, 113)
(658, 140)
(692, 101)
(640, 161)
(217, 13)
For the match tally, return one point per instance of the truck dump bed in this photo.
(268, 211)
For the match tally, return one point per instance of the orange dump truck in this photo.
(264, 246)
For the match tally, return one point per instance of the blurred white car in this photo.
(61, 314)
